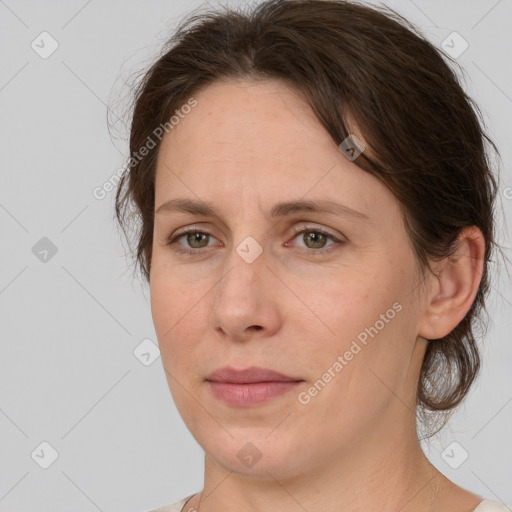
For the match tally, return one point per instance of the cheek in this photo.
(360, 317)
(348, 303)
(176, 317)
(173, 305)
(375, 337)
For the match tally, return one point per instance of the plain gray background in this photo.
(71, 320)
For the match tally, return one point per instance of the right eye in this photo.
(192, 236)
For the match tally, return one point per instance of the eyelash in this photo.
(172, 240)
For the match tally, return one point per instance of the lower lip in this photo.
(253, 393)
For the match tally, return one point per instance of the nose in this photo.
(246, 304)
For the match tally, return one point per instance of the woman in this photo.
(316, 210)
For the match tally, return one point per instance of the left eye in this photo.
(316, 238)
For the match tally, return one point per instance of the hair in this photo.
(424, 139)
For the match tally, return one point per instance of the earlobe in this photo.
(458, 279)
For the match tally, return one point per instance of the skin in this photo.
(246, 146)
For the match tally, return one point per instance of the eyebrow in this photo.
(198, 207)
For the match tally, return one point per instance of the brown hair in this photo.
(425, 141)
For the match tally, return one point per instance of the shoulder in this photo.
(491, 506)
(176, 507)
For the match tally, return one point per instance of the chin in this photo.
(254, 452)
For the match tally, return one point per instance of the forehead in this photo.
(235, 119)
(250, 125)
(257, 141)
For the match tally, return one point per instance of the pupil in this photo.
(317, 237)
(196, 237)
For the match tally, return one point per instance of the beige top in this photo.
(484, 506)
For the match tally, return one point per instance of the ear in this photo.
(455, 286)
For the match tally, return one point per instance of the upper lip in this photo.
(247, 375)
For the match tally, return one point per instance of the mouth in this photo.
(250, 386)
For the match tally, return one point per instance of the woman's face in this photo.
(338, 312)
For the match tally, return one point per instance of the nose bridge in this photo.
(243, 298)
(246, 257)
(246, 265)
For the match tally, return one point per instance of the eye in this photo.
(192, 236)
(315, 239)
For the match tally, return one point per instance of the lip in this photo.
(248, 375)
(249, 387)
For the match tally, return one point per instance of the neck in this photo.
(384, 469)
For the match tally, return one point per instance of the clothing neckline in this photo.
(485, 501)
